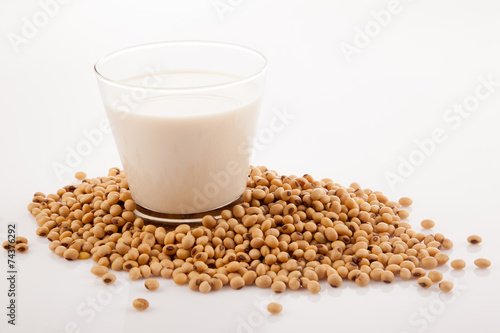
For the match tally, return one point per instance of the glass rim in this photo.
(244, 79)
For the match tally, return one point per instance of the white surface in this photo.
(352, 121)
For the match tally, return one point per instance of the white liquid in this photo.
(186, 154)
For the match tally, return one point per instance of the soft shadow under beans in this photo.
(363, 290)
(384, 287)
(424, 292)
(474, 248)
(482, 272)
(457, 273)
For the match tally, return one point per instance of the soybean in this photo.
(151, 284)
(80, 175)
(334, 280)
(405, 202)
(99, 270)
(8, 246)
(215, 284)
(428, 224)
(140, 304)
(474, 239)
(435, 276)
(180, 278)
(482, 263)
(387, 277)
(279, 286)
(263, 281)
(108, 278)
(133, 274)
(458, 264)
(442, 258)
(405, 274)
(21, 247)
(447, 243)
(70, 254)
(429, 262)
(274, 308)
(424, 282)
(83, 255)
(205, 287)
(446, 286)
(237, 282)
(313, 286)
(21, 239)
(362, 280)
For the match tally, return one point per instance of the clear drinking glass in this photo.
(183, 115)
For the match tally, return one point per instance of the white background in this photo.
(353, 121)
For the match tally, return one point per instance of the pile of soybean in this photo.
(288, 233)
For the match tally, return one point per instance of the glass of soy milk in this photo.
(183, 116)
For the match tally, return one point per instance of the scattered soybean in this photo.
(140, 304)
(274, 308)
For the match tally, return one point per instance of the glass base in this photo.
(156, 218)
